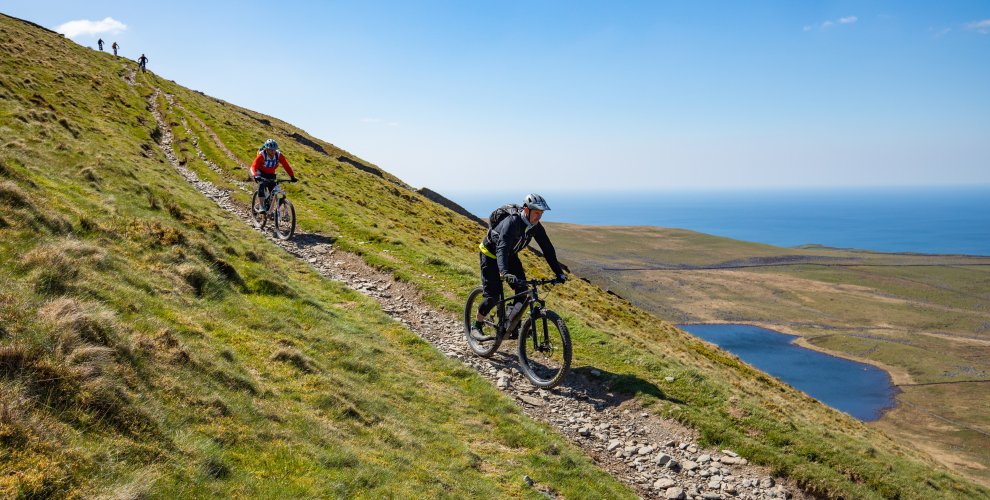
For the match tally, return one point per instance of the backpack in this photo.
(500, 213)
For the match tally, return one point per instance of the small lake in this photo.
(861, 390)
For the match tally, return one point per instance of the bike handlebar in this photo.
(277, 181)
(543, 281)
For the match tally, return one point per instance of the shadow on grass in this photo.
(606, 389)
(600, 388)
(307, 240)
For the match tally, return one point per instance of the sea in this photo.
(937, 220)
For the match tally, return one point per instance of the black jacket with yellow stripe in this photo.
(509, 237)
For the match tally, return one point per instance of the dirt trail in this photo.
(655, 456)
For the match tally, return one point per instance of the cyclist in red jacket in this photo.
(264, 166)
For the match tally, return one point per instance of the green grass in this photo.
(152, 345)
(375, 411)
(395, 230)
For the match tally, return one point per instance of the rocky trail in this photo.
(656, 457)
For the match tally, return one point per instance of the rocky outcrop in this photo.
(306, 141)
(441, 200)
(360, 166)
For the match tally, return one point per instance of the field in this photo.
(151, 344)
(923, 318)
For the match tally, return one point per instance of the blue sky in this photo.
(552, 95)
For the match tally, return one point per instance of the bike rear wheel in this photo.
(258, 210)
(483, 348)
(545, 350)
(285, 219)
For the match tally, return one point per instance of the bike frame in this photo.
(275, 195)
(533, 302)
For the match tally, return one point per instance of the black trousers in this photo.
(267, 184)
(491, 281)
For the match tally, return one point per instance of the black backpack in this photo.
(501, 213)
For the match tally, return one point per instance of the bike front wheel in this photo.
(285, 219)
(488, 344)
(545, 350)
(258, 210)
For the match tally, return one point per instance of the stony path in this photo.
(656, 457)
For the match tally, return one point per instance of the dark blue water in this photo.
(923, 220)
(858, 389)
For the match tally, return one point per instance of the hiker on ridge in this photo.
(100, 43)
(513, 227)
(143, 62)
(115, 47)
(264, 166)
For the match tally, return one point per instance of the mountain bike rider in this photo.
(264, 166)
(499, 255)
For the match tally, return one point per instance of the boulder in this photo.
(663, 483)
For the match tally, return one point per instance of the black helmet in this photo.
(536, 201)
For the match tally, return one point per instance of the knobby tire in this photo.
(482, 348)
(259, 216)
(285, 219)
(545, 350)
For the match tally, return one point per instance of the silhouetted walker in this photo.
(100, 43)
(143, 62)
(115, 47)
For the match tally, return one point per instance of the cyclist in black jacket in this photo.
(499, 254)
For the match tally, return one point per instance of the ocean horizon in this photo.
(939, 220)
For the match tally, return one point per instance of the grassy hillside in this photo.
(152, 345)
(924, 318)
(227, 366)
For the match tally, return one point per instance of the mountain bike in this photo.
(544, 349)
(277, 208)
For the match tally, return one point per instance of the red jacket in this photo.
(260, 164)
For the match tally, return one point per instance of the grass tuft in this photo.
(215, 468)
(74, 319)
(90, 175)
(53, 270)
(265, 286)
(194, 276)
(296, 358)
(13, 196)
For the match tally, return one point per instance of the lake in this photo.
(861, 390)
(923, 220)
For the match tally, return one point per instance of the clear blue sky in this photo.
(550, 95)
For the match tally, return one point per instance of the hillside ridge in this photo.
(653, 450)
(218, 362)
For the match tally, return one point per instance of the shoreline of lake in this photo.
(897, 375)
(894, 377)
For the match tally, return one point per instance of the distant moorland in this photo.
(923, 318)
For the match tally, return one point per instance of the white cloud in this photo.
(939, 33)
(830, 23)
(979, 26)
(73, 29)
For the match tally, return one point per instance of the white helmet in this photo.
(536, 201)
